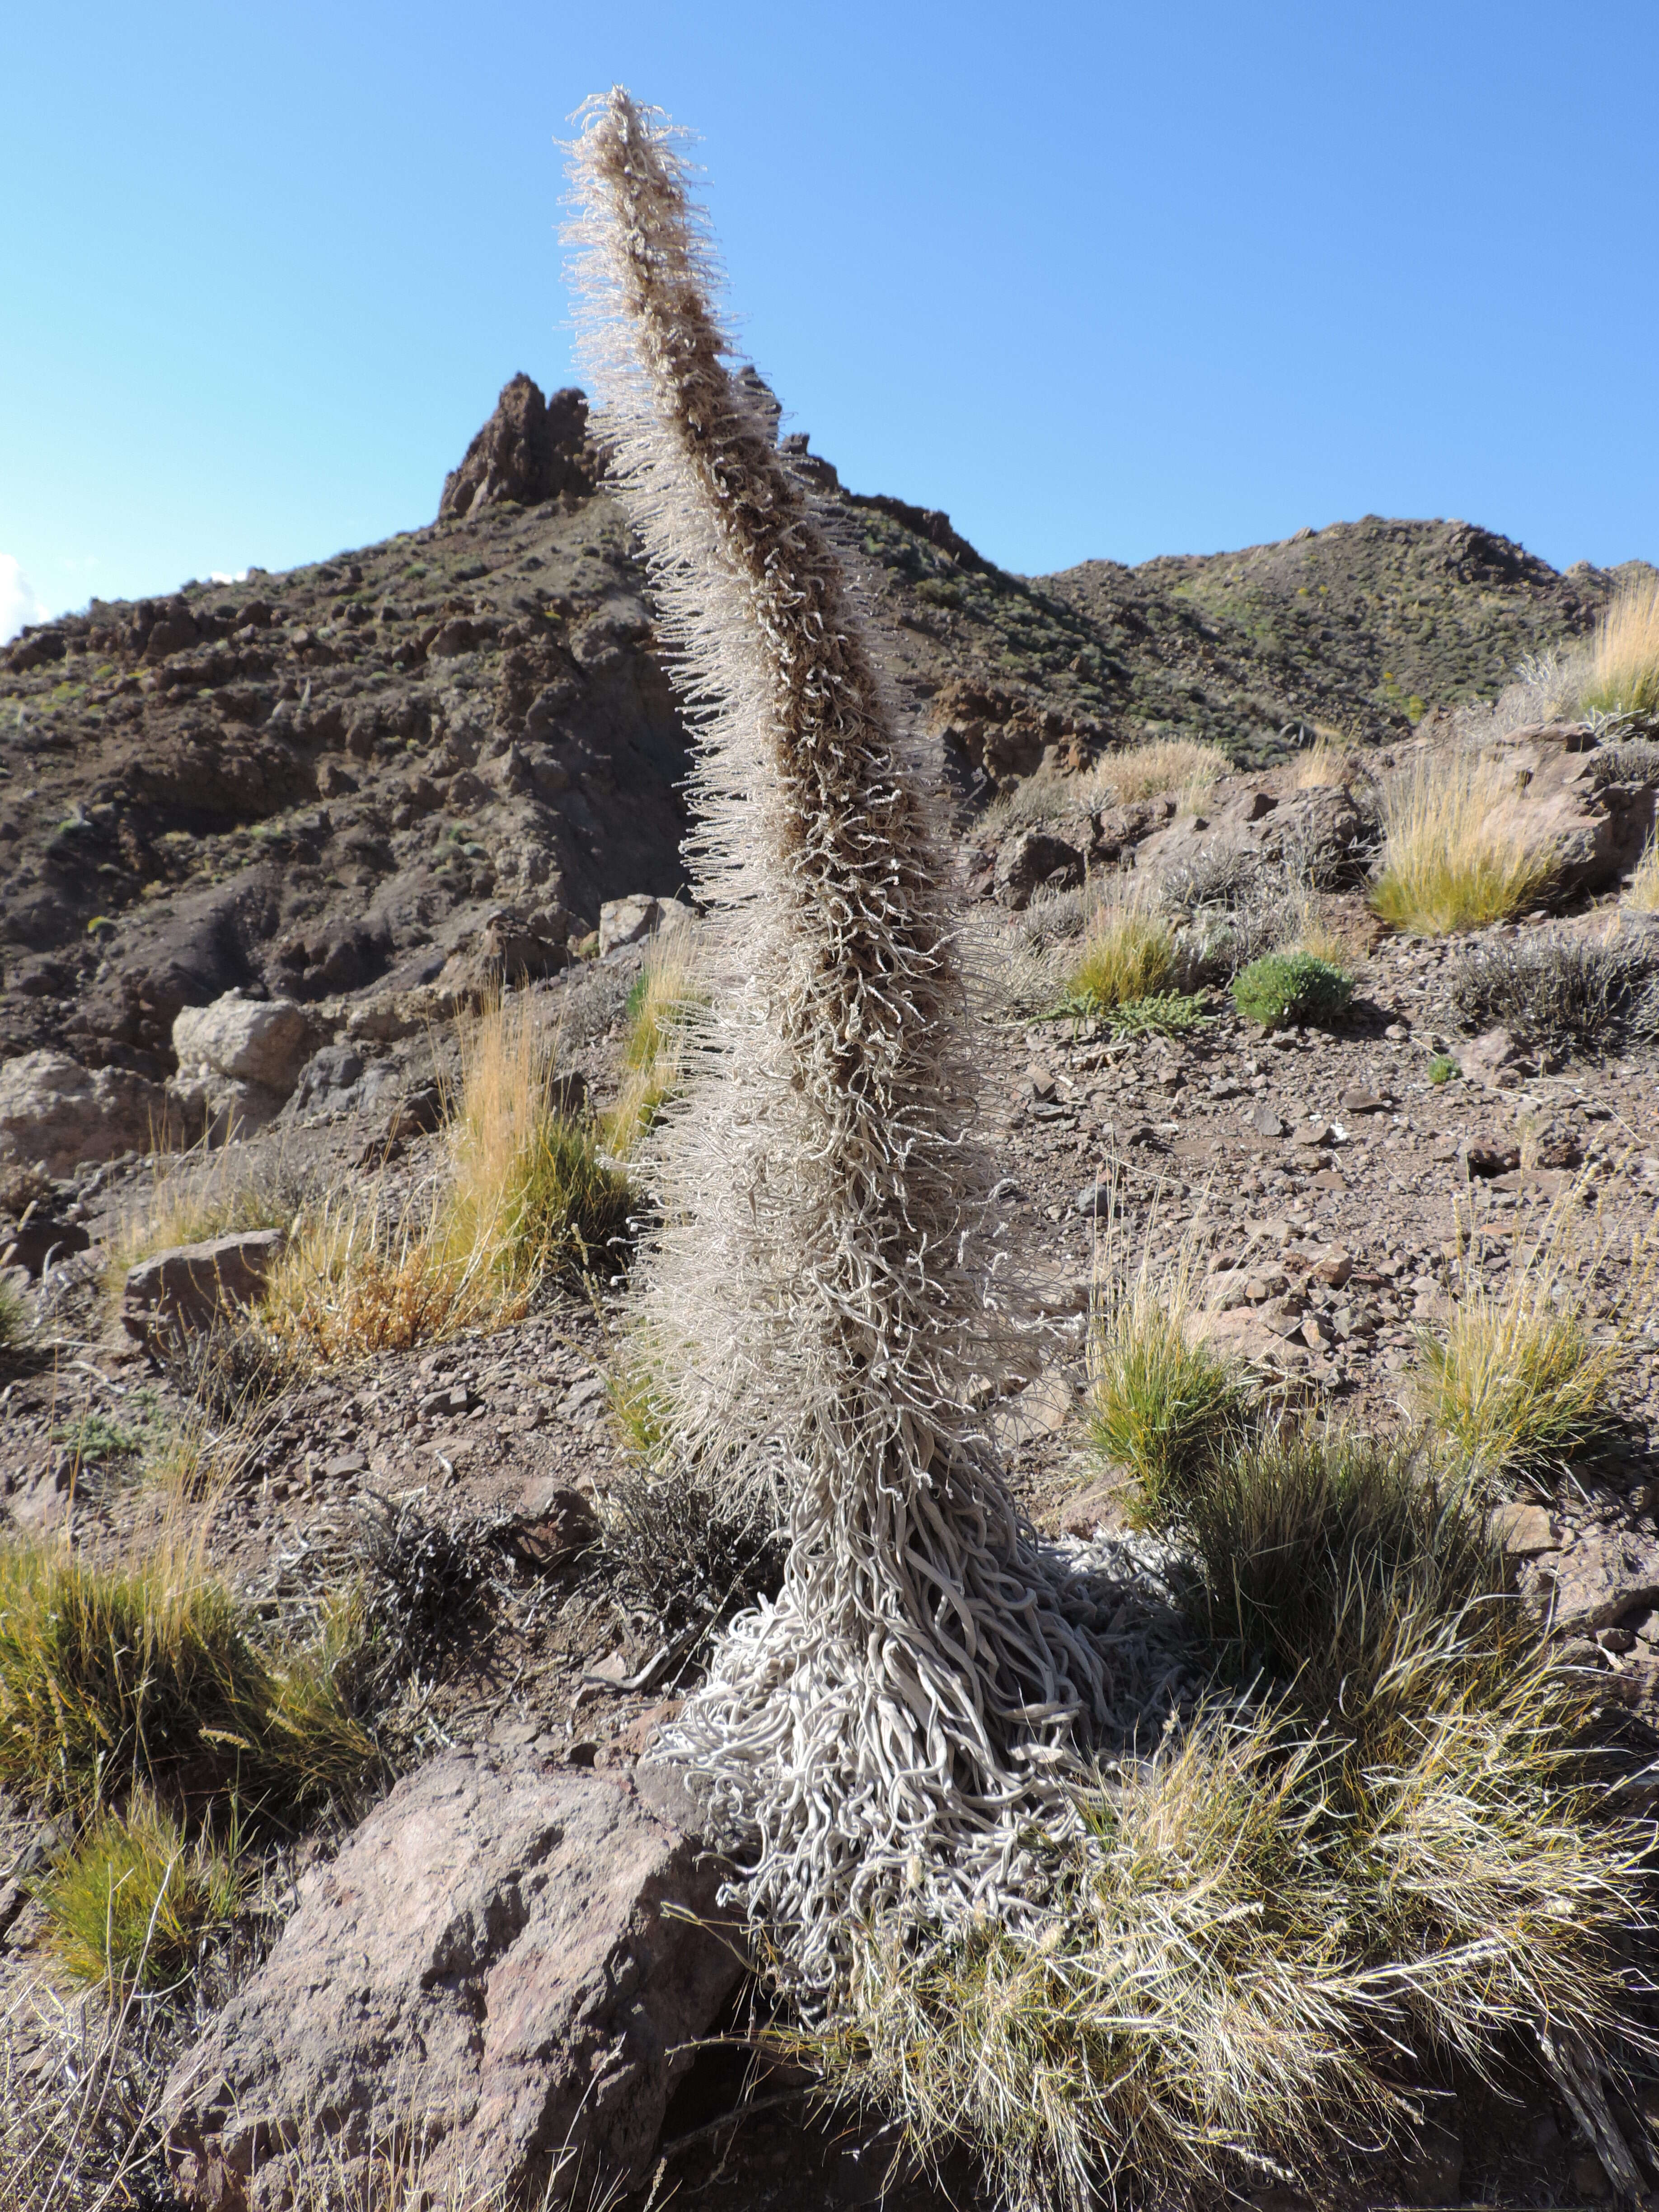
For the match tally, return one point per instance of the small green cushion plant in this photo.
(1290, 986)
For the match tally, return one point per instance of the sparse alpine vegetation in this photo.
(149, 1675)
(1126, 956)
(1519, 1380)
(1399, 1850)
(1621, 680)
(1162, 1404)
(1557, 988)
(132, 1904)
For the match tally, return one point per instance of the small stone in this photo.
(1311, 1134)
(1357, 1099)
(1397, 1032)
(1262, 1119)
(1334, 1265)
(344, 1463)
(1523, 1530)
(1098, 1507)
(1283, 1317)
(1487, 1058)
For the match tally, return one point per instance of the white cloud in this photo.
(218, 576)
(18, 602)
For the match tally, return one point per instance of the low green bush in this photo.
(1282, 987)
(1166, 1013)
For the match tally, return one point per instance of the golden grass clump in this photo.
(1127, 955)
(147, 1673)
(1161, 1402)
(131, 1906)
(1181, 765)
(1327, 763)
(1520, 1380)
(1623, 675)
(1641, 891)
(346, 1287)
(1448, 862)
(528, 1194)
(664, 999)
(1161, 764)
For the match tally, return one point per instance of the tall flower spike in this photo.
(891, 1732)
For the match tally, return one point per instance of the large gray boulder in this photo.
(54, 1110)
(495, 1969)
(238, 1060)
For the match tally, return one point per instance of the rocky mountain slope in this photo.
(321, 808)
(324, 784)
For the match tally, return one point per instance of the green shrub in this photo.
(1442, 1069)
(1283, 987)
(1166, 1013)
(133, 1903)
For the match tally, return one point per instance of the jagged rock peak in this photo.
(530, 449)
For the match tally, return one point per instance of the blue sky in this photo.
(1099, 279)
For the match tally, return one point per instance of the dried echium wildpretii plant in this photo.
(894, 1728)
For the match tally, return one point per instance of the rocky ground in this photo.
(316, 815)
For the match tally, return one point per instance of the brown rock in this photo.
(55, 1111)
(491, 1951)
(530, 449)
(190, 1285)
(1031, 860)
(1487, 1058)
(1523, 1530)
(1554, 802)
(1605, 1575)
(1334, 1265)
(1357, 1099)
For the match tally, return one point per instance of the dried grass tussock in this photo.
(1181, 765)
(1145, 771)
(1623, 675)
(1447, 864)
(890, 1731)
(1642, 892)
(527, 1193)
(1275, 1924)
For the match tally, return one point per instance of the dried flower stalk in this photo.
(894, 1728)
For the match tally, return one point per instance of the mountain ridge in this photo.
(326, 782)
